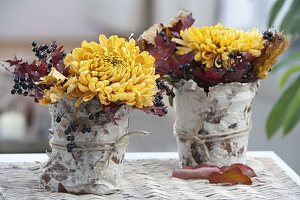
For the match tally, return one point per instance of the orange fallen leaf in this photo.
(231, 176)
(248, 171)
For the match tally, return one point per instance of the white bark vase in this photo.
(213, 128)
(95, 166)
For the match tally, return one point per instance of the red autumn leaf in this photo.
(35, 70)
(163, 49)
(234, 174)
(182, 24)
(198, 166)
(14, 61)
(159, 111)
(231, 176)
(208, 76)
(165, 58)
(248, 171)
(56, 55)
(201, 172)
(180, 60)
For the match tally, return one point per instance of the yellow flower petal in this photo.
(212, 42)
(53, 77)
(113, 70)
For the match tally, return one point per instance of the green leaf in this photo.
(293, 113)
(279, 110)
(274, 11)
(293, 26)
(290, 16)
(288, 59)
(287, 74)
(171, 101)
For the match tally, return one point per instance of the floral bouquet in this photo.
(214, 72)
(90, 93)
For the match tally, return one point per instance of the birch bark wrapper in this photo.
(96, 165)
(213, 127)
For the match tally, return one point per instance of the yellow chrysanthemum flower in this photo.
(211, 43)
(114, 70)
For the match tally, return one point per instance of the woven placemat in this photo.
(151, 179)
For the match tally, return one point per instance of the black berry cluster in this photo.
(268, 35)
(44, 51)
(95, 115)
(70, 146)
(70, 137)
(165, 110)
(85, 129)
(71, 129)
(22, 86)
(249, 71)
(164, 36)
(158, 102)
(41, 51)
(162, 86)
(186, 71)
(26, 73)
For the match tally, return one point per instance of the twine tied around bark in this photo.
(202, 139)
(98, 146)
(109, 147)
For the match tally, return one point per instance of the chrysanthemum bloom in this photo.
(213, 43)
(113, 70)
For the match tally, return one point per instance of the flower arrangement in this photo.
(114, 71)
(214, 72)
(211, 55)
(90, 93)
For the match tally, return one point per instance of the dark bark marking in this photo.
(58, 172)
(46, 178)
(241, 151)
(209, 145)
(195, 154)
(116, 159)
(232, 126)
(227, 147)
(61, 188)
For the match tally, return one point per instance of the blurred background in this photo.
(24, 125)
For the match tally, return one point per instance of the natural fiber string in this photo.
(122, 141)
(202, 139)
(109, 147)
(98, 146)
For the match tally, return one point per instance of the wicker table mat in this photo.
(150, 179)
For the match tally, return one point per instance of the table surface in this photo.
(41, 157)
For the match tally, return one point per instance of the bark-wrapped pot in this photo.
(95, 165)
(213, 127)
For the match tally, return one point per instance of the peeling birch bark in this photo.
(213, 127)
(96, 166)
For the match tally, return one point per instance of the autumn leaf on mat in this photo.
(234, 174)
(248, 171)
(200, 172)
(199, 166)
(231, 176)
